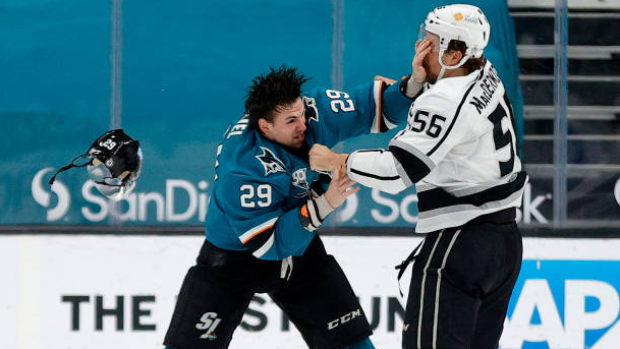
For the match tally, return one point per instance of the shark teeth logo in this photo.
(270, 162)
(43, 197)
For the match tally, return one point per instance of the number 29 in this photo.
(251, 196)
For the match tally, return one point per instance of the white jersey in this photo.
(459, 149)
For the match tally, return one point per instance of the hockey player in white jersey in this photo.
(459, 149)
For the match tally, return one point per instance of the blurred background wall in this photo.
(84, 273)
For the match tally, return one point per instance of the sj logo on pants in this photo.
(208, 322)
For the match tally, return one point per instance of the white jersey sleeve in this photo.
(433, 129)
(376, 168)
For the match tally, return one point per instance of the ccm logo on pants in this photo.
(344, 319)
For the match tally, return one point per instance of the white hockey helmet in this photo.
(466, 23)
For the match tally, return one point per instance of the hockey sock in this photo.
(361, 344)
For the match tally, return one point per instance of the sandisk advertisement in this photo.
(184, 201)
(94, 292)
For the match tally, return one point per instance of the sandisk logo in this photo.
(43, 197)
(344, 319)
(138, 206)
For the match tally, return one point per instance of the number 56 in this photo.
(420, 124)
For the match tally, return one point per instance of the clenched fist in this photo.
(323, 159)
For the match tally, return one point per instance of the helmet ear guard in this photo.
(113, 163)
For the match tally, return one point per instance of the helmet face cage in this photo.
(114, 187)
(113, 163)
(460, 22)
(117, 163)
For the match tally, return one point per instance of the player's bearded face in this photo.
(289, 125)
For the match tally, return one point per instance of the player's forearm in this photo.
(395, 105)
(410, 88)
(375, 169)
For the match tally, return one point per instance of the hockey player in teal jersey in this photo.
(266, 207)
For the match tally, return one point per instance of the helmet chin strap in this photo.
(450, 67)
(443, 70)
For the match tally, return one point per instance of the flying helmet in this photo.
(113, 163)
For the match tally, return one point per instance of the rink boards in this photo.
(111, 291)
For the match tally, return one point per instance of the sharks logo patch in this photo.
(299, 180)
(270, 162)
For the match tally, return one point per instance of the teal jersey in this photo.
(261, 186)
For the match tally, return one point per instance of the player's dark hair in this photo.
(271, 91)
(472, 63)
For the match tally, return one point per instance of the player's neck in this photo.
(451, 73)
